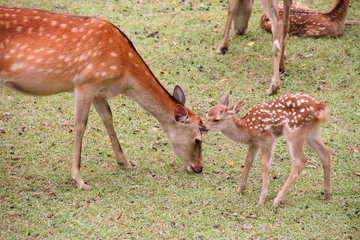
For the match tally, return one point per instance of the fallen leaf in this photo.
(357, 173)
(232, 163)
(358, 90)
(64, 124)
(152, 34)
(110, 156)
(250, 43)
(119, 216)
(46, 124)
(325, 88)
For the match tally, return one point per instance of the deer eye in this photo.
(197, 141)
(216, 120)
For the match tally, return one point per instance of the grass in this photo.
(158, 200)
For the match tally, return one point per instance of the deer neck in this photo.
(144, 88)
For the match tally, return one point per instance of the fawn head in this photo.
(218, 115)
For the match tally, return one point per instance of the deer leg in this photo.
(286, 27)
(253, 150)
(271, 10)
(223, 45)
(325, 155)
(298, 165)
(102, 107)
(242, 13)
(83, 101)
(266, 153)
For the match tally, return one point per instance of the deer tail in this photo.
(324, 114)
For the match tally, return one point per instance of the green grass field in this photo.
(158, 199)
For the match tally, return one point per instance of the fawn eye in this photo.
(216, 120)
(197, 141)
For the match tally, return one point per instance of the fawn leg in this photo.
(325, 155)
(266, 153)
(298, 165)
(253, 150)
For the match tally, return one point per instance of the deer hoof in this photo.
(127, 165)
(272, 90)
(240, 190)
(221, 50)
(327, 196)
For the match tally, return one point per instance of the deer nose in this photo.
(203, 129)
(197, 169)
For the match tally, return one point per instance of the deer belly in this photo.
(36, 86)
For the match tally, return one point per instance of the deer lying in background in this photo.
(239, 12)
(312, 23)
(295, 116)
(44, 53)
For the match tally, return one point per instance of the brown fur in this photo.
(44, 53)
(312, 23)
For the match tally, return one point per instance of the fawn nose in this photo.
(203, 129)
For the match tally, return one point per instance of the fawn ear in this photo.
(179, 95)
(224, 100)
(236, 108)
(180, 114)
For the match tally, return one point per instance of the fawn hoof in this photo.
(82, 185)
(276, 203)
(261, 202)
(262, 199)
(221, 50)
(85, 187)
(272, 90)
(327, 196)
(240, 190)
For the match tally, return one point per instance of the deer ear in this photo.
(236, 108)
(224, 100)
(179, 95)
(180, 114)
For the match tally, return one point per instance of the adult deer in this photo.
(295, 116)
(44, 53)
(239, 12)
(312, 23)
